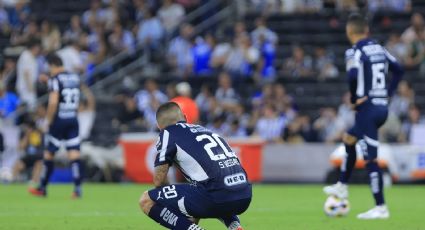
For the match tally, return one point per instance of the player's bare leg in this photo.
(74, 157)
(165, 216)
(36, 171)
(340, 189)
(47, 170)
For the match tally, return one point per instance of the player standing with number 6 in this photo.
(367, 67)
(218, 188)
(62, 122)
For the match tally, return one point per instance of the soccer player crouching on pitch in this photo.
(218, 188)
(367, 66)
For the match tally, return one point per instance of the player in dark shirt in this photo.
(367, 67)
(62, 110)
(218, 188)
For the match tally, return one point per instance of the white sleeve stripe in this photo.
(371, 141)
(165, 138)
(389, 56)
(55, 85)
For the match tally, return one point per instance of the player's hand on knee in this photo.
(146, 203)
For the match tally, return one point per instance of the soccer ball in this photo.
(336, 207)
(6, 175)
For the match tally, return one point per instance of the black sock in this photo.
(348, 163)
(376, 182)
(228, 220)
(48, 166)
(171, 219)
(76, 174)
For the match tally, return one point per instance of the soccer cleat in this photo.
(339, 190)
(37, 192)
(76, 195)
(235, 225)
(378, 212)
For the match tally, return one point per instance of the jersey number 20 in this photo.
(214, 141)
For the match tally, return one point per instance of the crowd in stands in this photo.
(111, 27)
(314, 6)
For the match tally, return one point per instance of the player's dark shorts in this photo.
(65, 130)
(194, 201)
(369, 118)
(30, 159)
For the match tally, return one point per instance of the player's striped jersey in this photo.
(205, 159)
(68, 87)
(369, 62)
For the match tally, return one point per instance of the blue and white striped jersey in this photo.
(68, 87)
(367, 65)
(205, 159)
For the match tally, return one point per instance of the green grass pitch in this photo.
(273, 207)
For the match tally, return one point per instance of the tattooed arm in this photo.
(160, 177)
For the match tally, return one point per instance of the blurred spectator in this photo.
(8, 102)
(186, 103)
(32, 147)
(121, 40)
(298, 65)
(262, 33)
(328, 126)
(203, 100)
(389, 5)
(171, 15)
(396, 47)
(290, 6)
(86, 113)
(218, 125)
(71, 58)
(283, 102)
(415, 30)
(265, 7)
(347, 5)
(19, 14)
(8, 75)
(270, 125)
(239, 29)
(171, 90)
(324, 64)
(27, 74)
(242, 57)
(74, 31)
(150, 31)
(148, 100)
(220, 53)
(179, 53)
(202, 50)
(112, 14)
(50, 36)
(4, 20)
(299, 130)
(413, 118)
(225, 94)
(263, 97)
(95, 13)
(27, 33)
(266, 63)
(236, 130)
(128, 118)
(310, 6)
(141, 6)
(401, 101)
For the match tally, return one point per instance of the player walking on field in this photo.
(64, 98)
(218, 188)
(367, 67)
